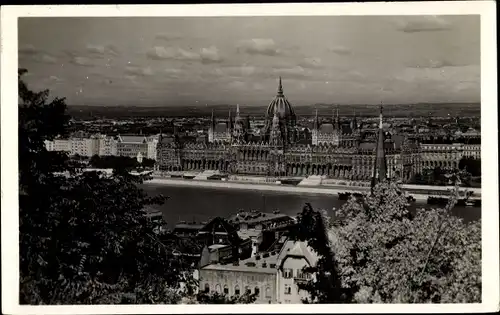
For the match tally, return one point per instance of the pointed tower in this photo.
(237, 118)
(238, 128)
(280, 88)
(211, 129)
(380, 166)
(315, 130)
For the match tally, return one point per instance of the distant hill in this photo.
(402, 110)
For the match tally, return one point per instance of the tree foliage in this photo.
(473, 166)
(326, 287)
(84, 237)
(383, 253)
(217, 298)
(119, 162)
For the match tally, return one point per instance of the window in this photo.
(226, 289)
(236, 290)
(268, 292)
(300, 274)
(257, 291)
(247, 290)
(217, 288)
(287, 273)
(288, 289)
(207, 288)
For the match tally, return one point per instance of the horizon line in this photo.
(328, 104)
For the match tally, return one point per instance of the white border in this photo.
(10, 223)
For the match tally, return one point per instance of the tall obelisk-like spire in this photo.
(280, 87)
(237, 118)
(380, 167)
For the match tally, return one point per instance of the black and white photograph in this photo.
(258, 160)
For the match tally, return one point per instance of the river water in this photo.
(203, 203)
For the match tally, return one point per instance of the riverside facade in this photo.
(337, 151)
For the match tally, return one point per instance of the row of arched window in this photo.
(225, 290)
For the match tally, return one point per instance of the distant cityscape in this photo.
(340, 146)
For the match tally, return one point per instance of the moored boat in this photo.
(344, 196)
(437, 201)
(471, 203)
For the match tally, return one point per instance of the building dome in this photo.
(281, 106)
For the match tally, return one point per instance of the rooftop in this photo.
(189, 226)
(133, 139)
(255, 217)
(248, 233)
(297, 249)
(249, 265)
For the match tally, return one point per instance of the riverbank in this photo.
(193, 202)
(330, 190)
(419, 193)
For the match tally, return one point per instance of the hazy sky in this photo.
(225, 60)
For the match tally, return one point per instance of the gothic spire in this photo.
(238, 117)
(212, 121)
(380, 167)
(280, 87)
(380, 124)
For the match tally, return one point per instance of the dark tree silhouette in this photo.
(383, 254)
(326, 288)
(84, 237)
(473, 166)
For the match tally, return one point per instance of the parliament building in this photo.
(337, 149)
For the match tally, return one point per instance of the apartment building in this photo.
(84, 146)
(107, 145)
(131, 146)
(273, 277)
(62, 145)
(152, 144)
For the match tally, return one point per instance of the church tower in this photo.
(239, 128)
(380, 166)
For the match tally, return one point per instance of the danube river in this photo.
(203, 203)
